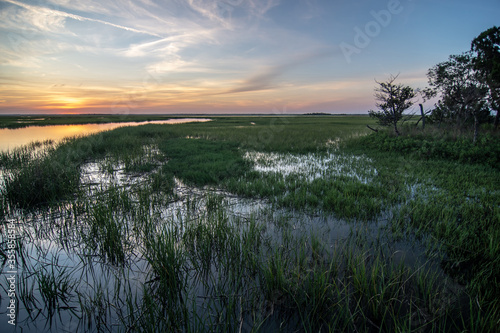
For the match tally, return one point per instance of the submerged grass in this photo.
(156, 261)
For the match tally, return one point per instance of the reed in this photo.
(107, 228)
(167, 280)
(192, 262)
(40, 182)
(55, 287)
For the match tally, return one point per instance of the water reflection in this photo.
(13, 138)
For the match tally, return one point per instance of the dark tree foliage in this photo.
(392, 100)
(487, 64)
(463, 94)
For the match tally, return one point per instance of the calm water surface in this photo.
(13, 138)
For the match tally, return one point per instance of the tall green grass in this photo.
(203, 162)
(41, 181)
(431, 145)
(456, 202)
(195, 266)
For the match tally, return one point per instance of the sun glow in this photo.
(69, 102)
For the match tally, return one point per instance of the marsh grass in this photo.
(456, 203)
(203, 162)
(56, 287)
(17, 157)
(332, 182)
(150, 257)
(40, 181)
(167, 281)
(432, 144)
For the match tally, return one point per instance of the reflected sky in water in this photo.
(13, 138)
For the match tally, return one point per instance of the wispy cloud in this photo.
(19, 18)
(230, 13)
(267, 77)
(204, 54)
(53, 14)
(261, 7)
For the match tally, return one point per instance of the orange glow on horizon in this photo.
(186, 100)
(69, 102)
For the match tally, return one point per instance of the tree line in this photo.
(468, 87)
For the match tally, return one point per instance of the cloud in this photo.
(261, 7)
(57, 15)
(265, 79)
(15, 18)
(229, 13)
(211, 9)
(168, 55)
(170, 45)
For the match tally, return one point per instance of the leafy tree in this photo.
(392, 100)
(462, 92)
(440, 114)
(487, 64)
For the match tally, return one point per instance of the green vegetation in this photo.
(487, 64)
(468, 86)
(429, 145)
(459, 210)
(302, 223)
(202, 162)
(41, 180)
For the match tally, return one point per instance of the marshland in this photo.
(252, 224)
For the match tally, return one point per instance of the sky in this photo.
(223, 56)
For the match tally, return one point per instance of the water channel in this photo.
(13, 138)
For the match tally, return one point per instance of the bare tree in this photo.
(392, 100)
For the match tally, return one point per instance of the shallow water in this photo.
(13, 138)
(313, 166)
(52, 244)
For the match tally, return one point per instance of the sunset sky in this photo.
(223, 56)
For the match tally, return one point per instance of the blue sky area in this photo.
(223, 56)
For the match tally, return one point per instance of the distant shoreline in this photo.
(20, 121)
(188, 115)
